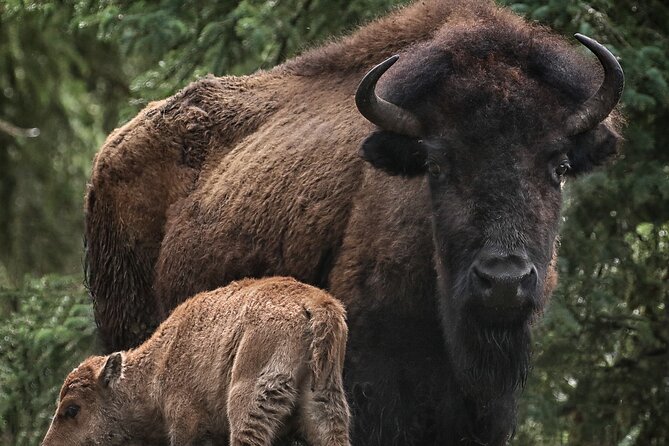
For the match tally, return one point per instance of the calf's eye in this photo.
(71, 411)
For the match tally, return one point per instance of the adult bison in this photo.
(439, 239)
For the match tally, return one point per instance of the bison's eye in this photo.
(560, 171)
(433, 168)
(71, 411)
(562, 168)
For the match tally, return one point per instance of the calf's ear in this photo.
(394, 153)
(592, 149)
(112, 370)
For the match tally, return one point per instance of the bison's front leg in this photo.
(184, 423)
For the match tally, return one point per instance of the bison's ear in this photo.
(395, 154)
(592, 149)
(111, 372)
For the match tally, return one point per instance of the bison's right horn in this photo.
(386, 115)
(598, 107)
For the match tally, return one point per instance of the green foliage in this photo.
(64, 82)
(46, 329)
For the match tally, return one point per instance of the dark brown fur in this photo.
(241, 363)
(260, 175)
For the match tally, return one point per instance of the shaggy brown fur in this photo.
(244, 363)
(260, 175)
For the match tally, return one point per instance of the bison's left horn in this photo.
(598, 107)
(386, 115)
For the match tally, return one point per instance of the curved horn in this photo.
(598, 106)
(386, 115)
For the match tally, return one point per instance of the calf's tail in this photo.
(328, 344)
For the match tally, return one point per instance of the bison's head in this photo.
(93, 408)
(497, 124)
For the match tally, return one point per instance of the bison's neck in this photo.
(489, 368)
(136, 395)
(144, 365)
(384, 37)
(145, 361)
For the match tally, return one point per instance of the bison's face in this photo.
(496, 164)
(85, 414)
(495, 214)
(496, 211)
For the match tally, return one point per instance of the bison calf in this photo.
(246, 362)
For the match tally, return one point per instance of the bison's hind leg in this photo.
(258, 409)
(324, 415)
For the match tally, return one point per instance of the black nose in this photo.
(503, 280)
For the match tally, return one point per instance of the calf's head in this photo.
(497, 124)
(93, 408)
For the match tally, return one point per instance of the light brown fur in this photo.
(246, 362)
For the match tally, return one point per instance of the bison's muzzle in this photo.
(503, 285)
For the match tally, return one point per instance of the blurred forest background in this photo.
(71, 71)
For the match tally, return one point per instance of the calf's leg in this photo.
(184, 427)
(263, 389)
(258, 409)
(324, 416)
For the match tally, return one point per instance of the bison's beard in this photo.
(490, 359)
(489, 362)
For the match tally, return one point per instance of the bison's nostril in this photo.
(502, 281)
(481, 279)
(529, 281)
